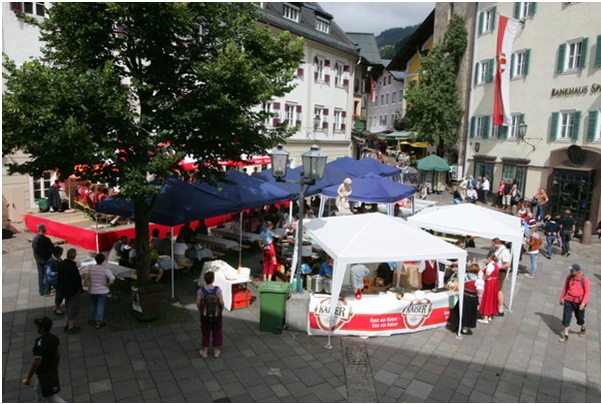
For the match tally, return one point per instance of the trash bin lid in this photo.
(274, 287)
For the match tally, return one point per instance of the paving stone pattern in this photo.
(514, 359)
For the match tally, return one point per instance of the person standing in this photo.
(46, 358)
(470, 303)
(427, 277)
(69, 281)
(542, 199)
(52, 278)
(490, 297)
(534, 242)
(551, 229)
(42, 251)
(485, 188)
(269, 258)
(504, 262)
(567, 226)
(209, 300)
(574, 298)
(100, 279)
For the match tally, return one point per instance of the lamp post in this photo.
(522, 128)
(314, 164)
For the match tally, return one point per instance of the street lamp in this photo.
(314, 165)
(522, 128)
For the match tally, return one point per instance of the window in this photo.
(382, 99)
(593, 133)
(323, 25)
(319, 68)
(571, 55)
(385, 120)
(519, 63)
(291, 12)
(337, 120)
(387, 98)
(486, 21)
(480, 126)
(338, 80)
(290, 114)
(514, 131)
(41, 186)
(37, 9)
(565, 125)
(485, 71)
(393, 98)
(523, 10)
(320, 112)
(273, 108)
(597, 61)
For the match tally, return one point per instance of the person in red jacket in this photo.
(574, 297)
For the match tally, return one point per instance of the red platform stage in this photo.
(79, 230)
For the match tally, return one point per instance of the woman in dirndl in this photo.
(490, 298)
(470, 303)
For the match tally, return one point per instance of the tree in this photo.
(127, 89)
(432, 102)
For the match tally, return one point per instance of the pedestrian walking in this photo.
(100, 279)
(567, 224)
(46, 358)
(52, 278)
(69, 281)
(209, 300)
(42, 251)
(534, 242)
(574, 298)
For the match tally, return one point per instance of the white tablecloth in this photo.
(217, 242)
(235, 235)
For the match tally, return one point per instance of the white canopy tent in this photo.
(476, 221)
(374, 238)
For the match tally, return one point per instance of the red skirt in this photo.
(490, 298)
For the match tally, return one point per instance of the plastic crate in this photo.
(241, 299)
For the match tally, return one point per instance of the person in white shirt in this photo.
(504, 257)
(100, 279)
(485, 188)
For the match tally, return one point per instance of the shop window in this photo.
(486, 21)
(516, 174)
(571, 55)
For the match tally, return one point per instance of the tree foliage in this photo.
(432, 103)
(126, 89)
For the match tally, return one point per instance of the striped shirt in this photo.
(99, 278)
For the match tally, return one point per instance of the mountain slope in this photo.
(390, 41)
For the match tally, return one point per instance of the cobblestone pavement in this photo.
(515, 358)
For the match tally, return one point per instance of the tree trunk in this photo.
(142, 220)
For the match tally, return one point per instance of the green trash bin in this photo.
(273, 306)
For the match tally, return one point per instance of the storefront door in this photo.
(572, 190)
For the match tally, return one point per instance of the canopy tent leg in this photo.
(97, 243)
(240, 242)
(413, 205)
(322, 205)
(515, 252)
(172, 267)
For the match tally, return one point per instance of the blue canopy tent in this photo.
(371, 188)
(177, 203)
(367, 165)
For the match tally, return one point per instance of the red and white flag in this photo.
(508, 28)
(372, 90)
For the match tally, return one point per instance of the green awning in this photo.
(433, 163)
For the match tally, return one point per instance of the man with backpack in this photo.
(209, 300)
(574, 297)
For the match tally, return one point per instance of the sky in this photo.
(376, 17)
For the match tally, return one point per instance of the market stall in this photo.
(376, 238)
(476, 221)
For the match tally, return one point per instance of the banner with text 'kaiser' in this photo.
(508, 28)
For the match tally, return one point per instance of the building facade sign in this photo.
(582, 90)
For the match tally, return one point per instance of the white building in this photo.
(322, 103)
(556, 90)
(20, 42)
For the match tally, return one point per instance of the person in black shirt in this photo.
(69, 281)
(567, 224)
(42, 251)
(46, 358)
